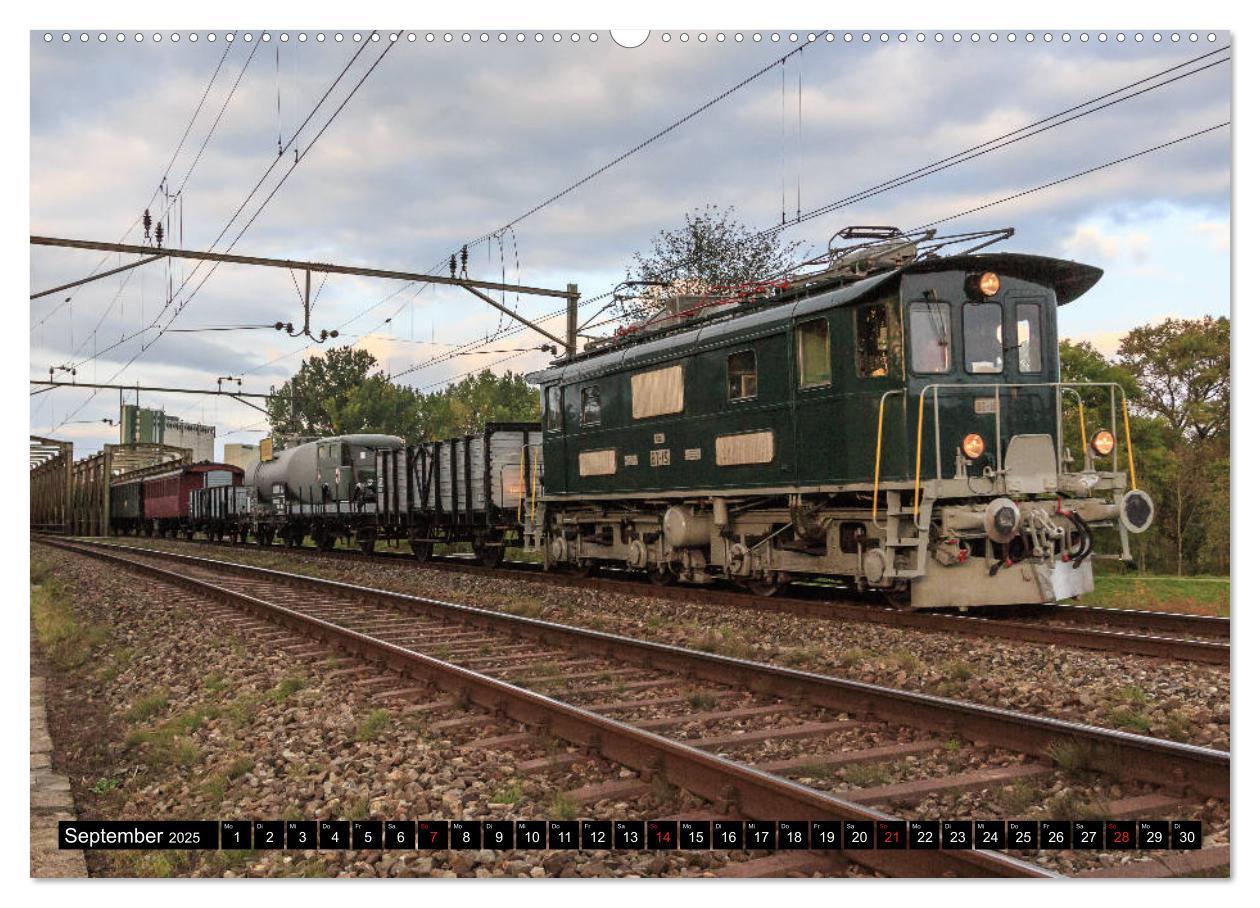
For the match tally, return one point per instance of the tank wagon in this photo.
(461, 490)
(324, 489)
(902, 430)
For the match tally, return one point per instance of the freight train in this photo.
(895, 421)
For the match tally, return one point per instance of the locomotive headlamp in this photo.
(1103, 442)
(983, 285)
(972, 446)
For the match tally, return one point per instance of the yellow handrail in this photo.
(520, 498)
(1128, 442)
(1080, 412)
(533, 491)
(879, 451)
(918, 458)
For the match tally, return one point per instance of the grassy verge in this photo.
(65, 641)
(1194, 595)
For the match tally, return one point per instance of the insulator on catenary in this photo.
(148, 223)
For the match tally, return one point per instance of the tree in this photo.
(337, 394)
(1181, 367)
(711, 249)
(466, 406)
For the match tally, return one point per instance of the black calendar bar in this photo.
(634, 835)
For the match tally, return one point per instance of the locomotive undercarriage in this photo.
(949, 554)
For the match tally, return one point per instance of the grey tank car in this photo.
(325, 488)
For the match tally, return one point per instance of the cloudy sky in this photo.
(447, 142)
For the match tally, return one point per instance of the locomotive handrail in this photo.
(997, 419)
(879, 447)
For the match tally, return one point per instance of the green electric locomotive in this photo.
(894, 420)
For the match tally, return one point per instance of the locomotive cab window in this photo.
(929, 338)
(873, 359)
(1028, 335)
(555, 415)
(590, 405)
(741, 375)
(813, 353)
(982, 338)
(347, 459)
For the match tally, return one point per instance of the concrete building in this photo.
(137, 425)
(240, 455)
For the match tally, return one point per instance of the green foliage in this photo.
(339, 393)
(342, 392)
(1176, 376)
(467, 405)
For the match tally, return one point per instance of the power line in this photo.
(1078, 174)
(644, 144)
(1003, 141)
(232, 219)
(144, 347)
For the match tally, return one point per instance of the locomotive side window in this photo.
(656, 393)
(741, 375)
(1028, 334)
(555, 415)
(982, 337)
(929, 338)
(872, 341)
(590, 405)
(813, 353)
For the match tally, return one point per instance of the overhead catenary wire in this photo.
(389, 45)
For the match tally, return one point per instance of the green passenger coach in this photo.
(898, 423)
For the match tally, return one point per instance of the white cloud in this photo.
(1217, 233)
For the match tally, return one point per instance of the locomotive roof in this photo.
(1068, 279)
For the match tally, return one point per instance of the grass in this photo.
(148, 706)
(1069, 755)
(287, 688)
(1194, 595)
(815, 771)
(725, 641)
(1129, 719)
(867, 775)
(563, 807)
(702, 700)
(65, 642)
(239, 767)
(1016, 799)
(104, 786)
(371, 726)
(508, 794)
(853, 657)
(803, 655)
(957, 670)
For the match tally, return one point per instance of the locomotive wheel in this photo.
(662, 576)
(582, 569)
(488, 554)
(421, 549)
(764, 587)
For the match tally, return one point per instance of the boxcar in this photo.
(126, 506)
(168, 496)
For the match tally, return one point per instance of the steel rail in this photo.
(1159, 646)
(1145, 758)
(751, 791)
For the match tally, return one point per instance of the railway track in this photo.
(755, 740)
(1160, 635)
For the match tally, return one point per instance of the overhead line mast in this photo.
(475, 287)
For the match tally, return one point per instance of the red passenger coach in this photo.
(167, 495)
